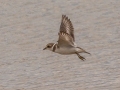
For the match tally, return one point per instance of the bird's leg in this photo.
(82, 58)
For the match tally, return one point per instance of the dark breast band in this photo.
(55, 47)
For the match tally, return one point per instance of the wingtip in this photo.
(64, 16)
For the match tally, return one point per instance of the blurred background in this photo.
(26, 26)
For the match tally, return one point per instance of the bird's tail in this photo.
(82, 50)
(87, 52)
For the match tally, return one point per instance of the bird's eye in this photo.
(48, 46)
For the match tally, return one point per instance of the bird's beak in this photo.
(44, 48)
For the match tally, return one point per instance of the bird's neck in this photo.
(54, 47)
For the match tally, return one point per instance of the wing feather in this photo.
(66, 34)
(66, 26)
(65, 39)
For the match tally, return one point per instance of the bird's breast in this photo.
(65, 50)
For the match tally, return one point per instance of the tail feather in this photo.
(82, 50)
(87, 52)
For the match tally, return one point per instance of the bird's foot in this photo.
(82, 58)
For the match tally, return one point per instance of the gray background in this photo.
(26, 26)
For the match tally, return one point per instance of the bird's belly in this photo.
(65, 51)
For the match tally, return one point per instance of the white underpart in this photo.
(66, 50)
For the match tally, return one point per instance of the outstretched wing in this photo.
(65, 40)
(66, 26)
(66, 34)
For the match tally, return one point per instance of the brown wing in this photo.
(65, 40)
(67, 27)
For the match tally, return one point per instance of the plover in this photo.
(66, 41)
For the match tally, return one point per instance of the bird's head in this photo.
(49, 46)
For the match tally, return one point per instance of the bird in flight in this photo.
(66, 41)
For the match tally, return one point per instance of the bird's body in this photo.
(65, 50)
(66, 42)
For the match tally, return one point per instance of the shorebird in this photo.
(66, 41)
